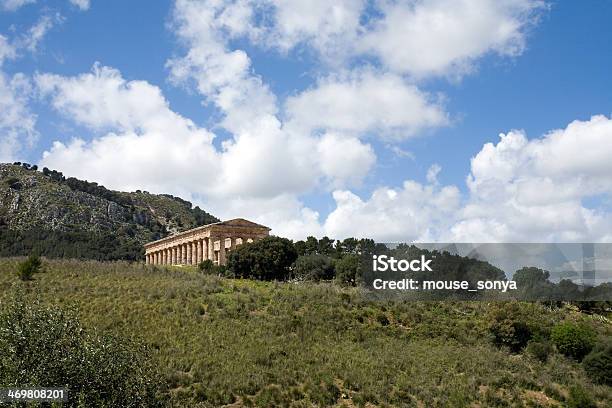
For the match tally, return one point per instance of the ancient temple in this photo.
(212, 241)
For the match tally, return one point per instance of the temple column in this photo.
(210, 244)
(173, 256)
(222, 251)
(188, 259)
(146, 259)
(168, 257)
(182, 254)
(205, 249)
(163, 257)
(194, 252)
(199, 257)
(155, 258)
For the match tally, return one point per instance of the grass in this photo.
(245, 343)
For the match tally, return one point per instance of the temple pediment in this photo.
(240, 222)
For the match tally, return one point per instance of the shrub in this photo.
(598, 364)
(579, 398)
(509, 326)
(267, 259)
(314, 267)
(573, 340)
(206, 266)
(29, 267)
(348, 270)
(43, 346)
(539, 349)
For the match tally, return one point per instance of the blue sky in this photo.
(551, 67)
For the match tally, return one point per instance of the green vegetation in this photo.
(347, 270)
(598, 364)
(59, 217)
(223, 341)
(314, 268)
(46, 347)
(27, 268)
(269, 258)
(574, 339)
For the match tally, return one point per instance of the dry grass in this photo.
(248, 343)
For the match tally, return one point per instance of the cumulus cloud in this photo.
(328, 27)
(344, 160)
(142, 143)
(366, 101)
(413, 212)
(147, 145)
(519, 190)
(534, 190)
(17, 123)
(223, 76)
(444, 37)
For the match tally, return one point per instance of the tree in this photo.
(267, 259)
(348, 269)
(530, 276)
(314, 267)
(47, 347)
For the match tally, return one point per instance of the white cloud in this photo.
(533, 190)
(221, 75)
(37, 32)
(265, 161)
(344, 160)
(285, 214)
(17, 123)
(144, 144)
(12, 5)
(139, 131)
(520, 190)
(444, 37)
(7, 50)
(413, 212)
(365, 101)
(328, 27)
(81, 4)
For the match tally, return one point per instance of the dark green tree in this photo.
(267, 259)
(314, 267)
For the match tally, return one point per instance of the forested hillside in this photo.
(58, 216)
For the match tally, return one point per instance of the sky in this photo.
(415, 120)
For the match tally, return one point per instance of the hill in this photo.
(45, 212)
(221, 341)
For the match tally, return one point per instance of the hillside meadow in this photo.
(231, 342)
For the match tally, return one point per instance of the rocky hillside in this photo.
(48, 213)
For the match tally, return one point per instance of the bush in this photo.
(573, 340)
(29, 267)
(598, 364)
(314, 267)
(579, 398)
(539, 349)
(348, 269)
(267, 259)
(43, 346)
(206, 265)
(509, 326)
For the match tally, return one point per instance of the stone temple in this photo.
(212, 241)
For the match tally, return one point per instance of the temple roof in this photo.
(235, 222)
